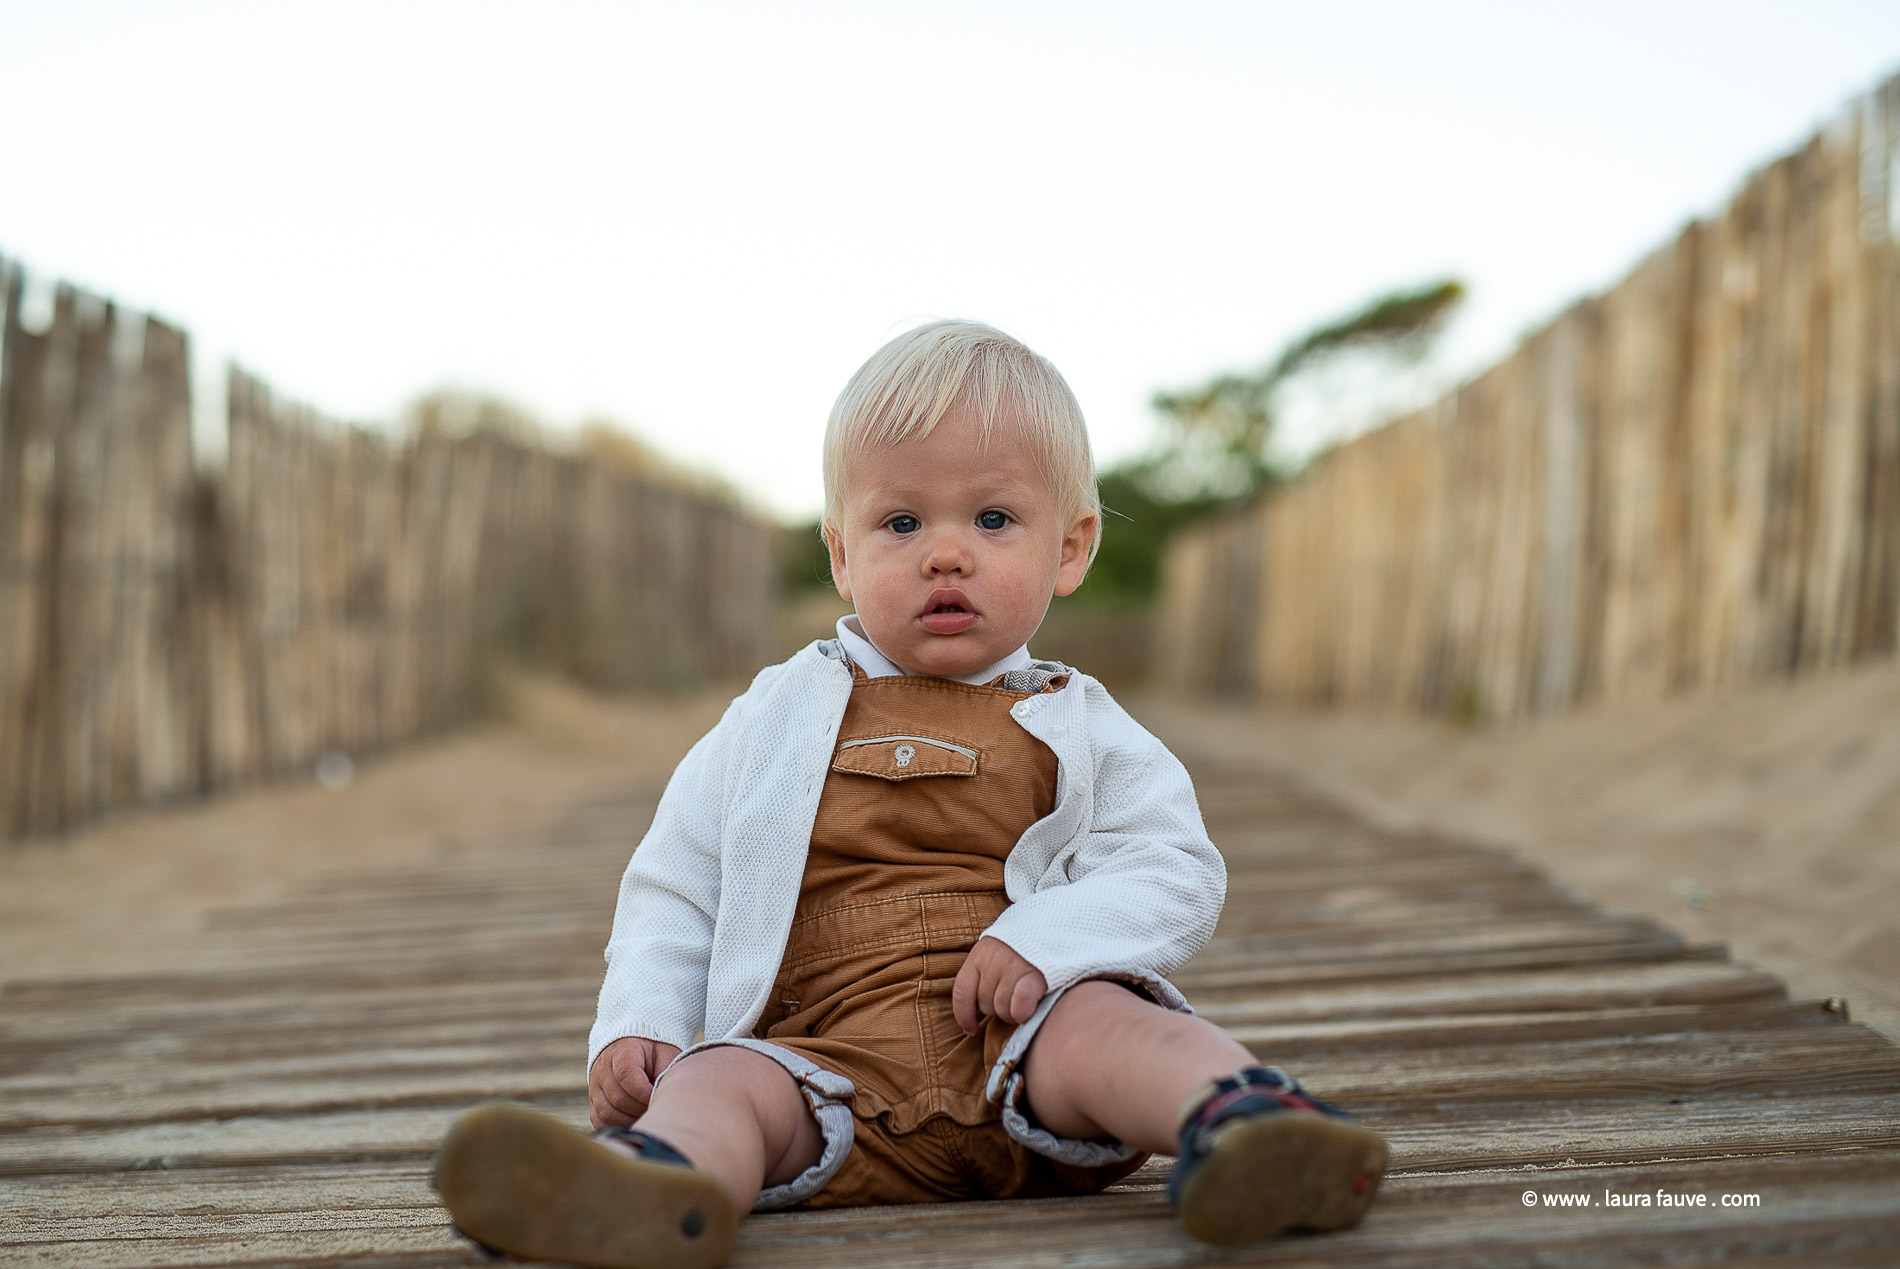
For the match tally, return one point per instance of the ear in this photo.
(1075, 554)
(840, 572)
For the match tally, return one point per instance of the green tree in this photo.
(1214, 446)
(806, 562)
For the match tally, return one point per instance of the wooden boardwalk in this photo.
(280, 1105)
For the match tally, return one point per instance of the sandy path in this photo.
(139, 890)
(1768, 819)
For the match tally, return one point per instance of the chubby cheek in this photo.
(1032, 583)
(882, 600)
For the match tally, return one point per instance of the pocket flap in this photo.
(904, 757)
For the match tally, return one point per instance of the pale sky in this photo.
(699, 219)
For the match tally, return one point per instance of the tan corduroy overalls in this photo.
(930, 787)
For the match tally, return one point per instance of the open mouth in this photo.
(949, 615)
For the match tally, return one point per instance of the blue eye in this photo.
(993, 519)
(904, 524)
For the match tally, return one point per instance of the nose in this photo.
(948, 554)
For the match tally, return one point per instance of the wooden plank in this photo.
(1829, 1206)
(237, 1113)
(25, 471)
(50, 685)
(1836, 404)
(355, 1135)
(148, 1218)
(1879, 626)
(170, 1072)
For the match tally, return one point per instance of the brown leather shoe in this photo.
(1261, 1156)
(522, 1182)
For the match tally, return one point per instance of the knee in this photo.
(726, 1071)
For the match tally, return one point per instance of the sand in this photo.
(137, 893)
(1767, 819)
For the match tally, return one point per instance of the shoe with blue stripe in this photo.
(1260, 1156)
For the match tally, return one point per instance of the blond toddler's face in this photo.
(951, 549)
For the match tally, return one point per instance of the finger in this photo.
(660, 1056)
(609, 1094)
(627, 1091)
(603, 1112)
(609, 1061)
(606, 1116)
(963, 996)
(1027, 994)
(597, 1103)
(594, 1108)
(633, 1072)
(1005, 983)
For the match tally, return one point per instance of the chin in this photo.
(948, 663)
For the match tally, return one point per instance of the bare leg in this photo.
(739, 1116)
(1107, 1063)
(1110, 1064)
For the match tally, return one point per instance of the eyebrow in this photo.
(922, 484)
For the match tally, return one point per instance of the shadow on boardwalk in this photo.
(275, 1097)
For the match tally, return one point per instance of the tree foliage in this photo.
(1214, 448)
(805, 562)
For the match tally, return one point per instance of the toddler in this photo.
(900, 929)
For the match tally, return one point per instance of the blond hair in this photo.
(909, 384)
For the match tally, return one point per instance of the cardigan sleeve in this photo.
(659, 955)
(1137, 892)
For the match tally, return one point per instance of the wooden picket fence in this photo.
(169, 628)
(1691, 480)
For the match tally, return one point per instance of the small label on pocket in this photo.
(904, 757)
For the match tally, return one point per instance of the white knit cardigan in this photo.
(1120, 880)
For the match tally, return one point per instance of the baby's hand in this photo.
(621, 1081)
(995, 980)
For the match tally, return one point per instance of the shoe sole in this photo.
(1283, 1172)
(521, 1182)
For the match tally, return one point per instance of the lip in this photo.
(947, 623)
